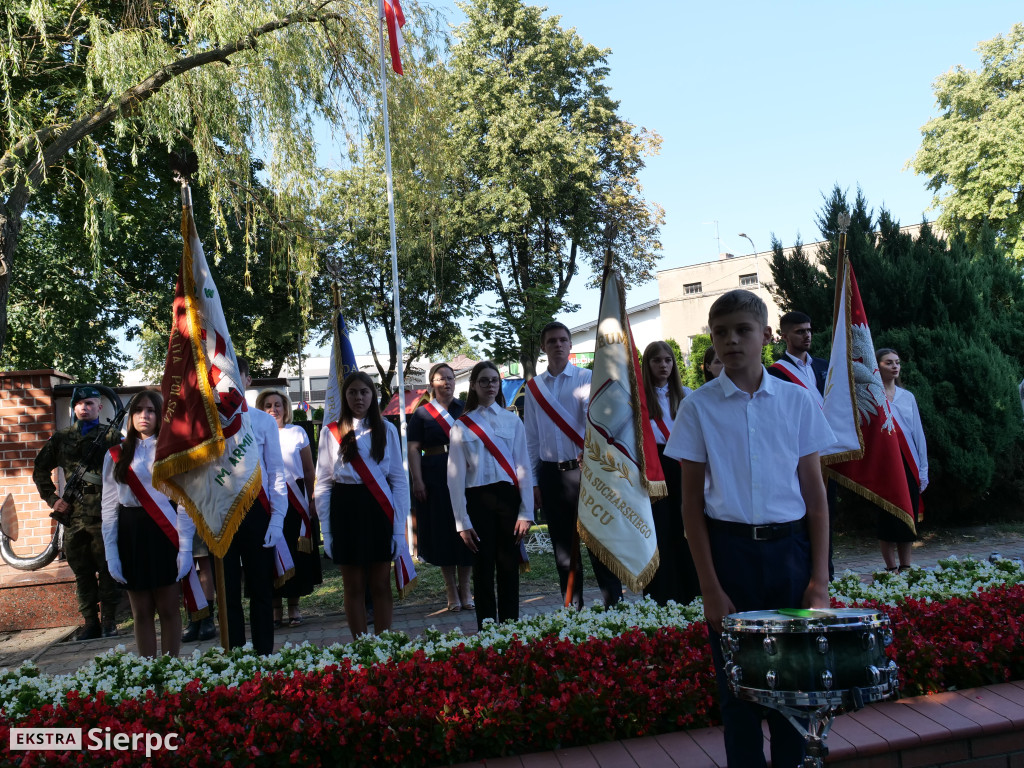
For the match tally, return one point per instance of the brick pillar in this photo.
(27, 419)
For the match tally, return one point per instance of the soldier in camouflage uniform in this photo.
(83, 538)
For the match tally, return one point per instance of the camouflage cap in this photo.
(85, 392)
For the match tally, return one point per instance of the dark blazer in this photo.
(818, 365)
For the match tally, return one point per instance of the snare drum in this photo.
(816, 658)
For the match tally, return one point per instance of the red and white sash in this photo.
(788, 369)
(298, 501)
(375, 481)
(284, 566)
(566, 423)
(165, 514)
(661, 431)
(440, 415)
(482, 430)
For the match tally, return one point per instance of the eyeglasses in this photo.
(487, 382)
(443, 379)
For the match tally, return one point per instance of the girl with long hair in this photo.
(676, 578)
(439, 542)
(141, 552)
(300, 522)
(895, 537)
(491, 487)
(362, 498)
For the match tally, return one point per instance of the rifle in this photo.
(73, 484)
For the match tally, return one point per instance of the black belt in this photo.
(769, 532)
(437, 450)
(564, 466)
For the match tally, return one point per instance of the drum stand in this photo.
(814, 724)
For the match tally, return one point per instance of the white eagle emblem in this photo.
(867, 383)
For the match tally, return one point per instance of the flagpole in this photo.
(394, 244)
(843, 221)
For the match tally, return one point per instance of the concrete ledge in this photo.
(974, 728)
(38, 599)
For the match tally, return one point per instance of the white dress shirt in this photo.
(904, 408)
(264, 430)
(471, 465)
(751, 445)
(115, 493)
(544, 440)
(666, 411)
(331, 468)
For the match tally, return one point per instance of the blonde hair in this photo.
(261, 398)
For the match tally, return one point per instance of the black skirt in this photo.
(438, 541)
(149, 560)
(360, 530)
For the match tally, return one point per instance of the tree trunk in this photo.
(528, 362)
(10, 227)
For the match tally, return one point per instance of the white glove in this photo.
(275, 532)
(114, 569)
(328, 541)
(184, 563)
(398, 544)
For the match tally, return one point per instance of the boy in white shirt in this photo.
(759, 533)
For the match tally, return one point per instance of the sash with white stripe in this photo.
(375, 481)
(440, 415)
(482, 430)
(165, 514)
(569, 425)
(284, 566)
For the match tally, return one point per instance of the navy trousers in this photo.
(758, 576)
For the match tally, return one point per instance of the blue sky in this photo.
(764, 106)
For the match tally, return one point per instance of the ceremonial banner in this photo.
(343, 362)
(621, 471)
(206, 458)
(867, 457)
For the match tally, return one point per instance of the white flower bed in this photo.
(123, 675)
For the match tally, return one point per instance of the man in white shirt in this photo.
(555, 416)
(796, 364)
(253, 544)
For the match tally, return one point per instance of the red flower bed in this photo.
(486, 703)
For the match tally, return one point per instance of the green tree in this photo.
(230, 78)
(547, 169)
(953, 310)
(972, 153)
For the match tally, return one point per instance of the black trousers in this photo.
(493, 510)
(758, 576)
(247, 552)
(559, 498)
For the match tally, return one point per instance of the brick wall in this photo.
(27, 419)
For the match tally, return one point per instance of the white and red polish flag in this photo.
(867, 457)
(206, 456)
(391, 12)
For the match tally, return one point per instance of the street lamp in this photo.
(757, 275)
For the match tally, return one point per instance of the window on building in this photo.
(746, 280)
(692, 288)
(294, 391)
(317, 388)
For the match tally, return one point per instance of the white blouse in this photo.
(904, 408)
(331, 468)
(115, 493)
(471, 465)
(666, 412)
(293, 440)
